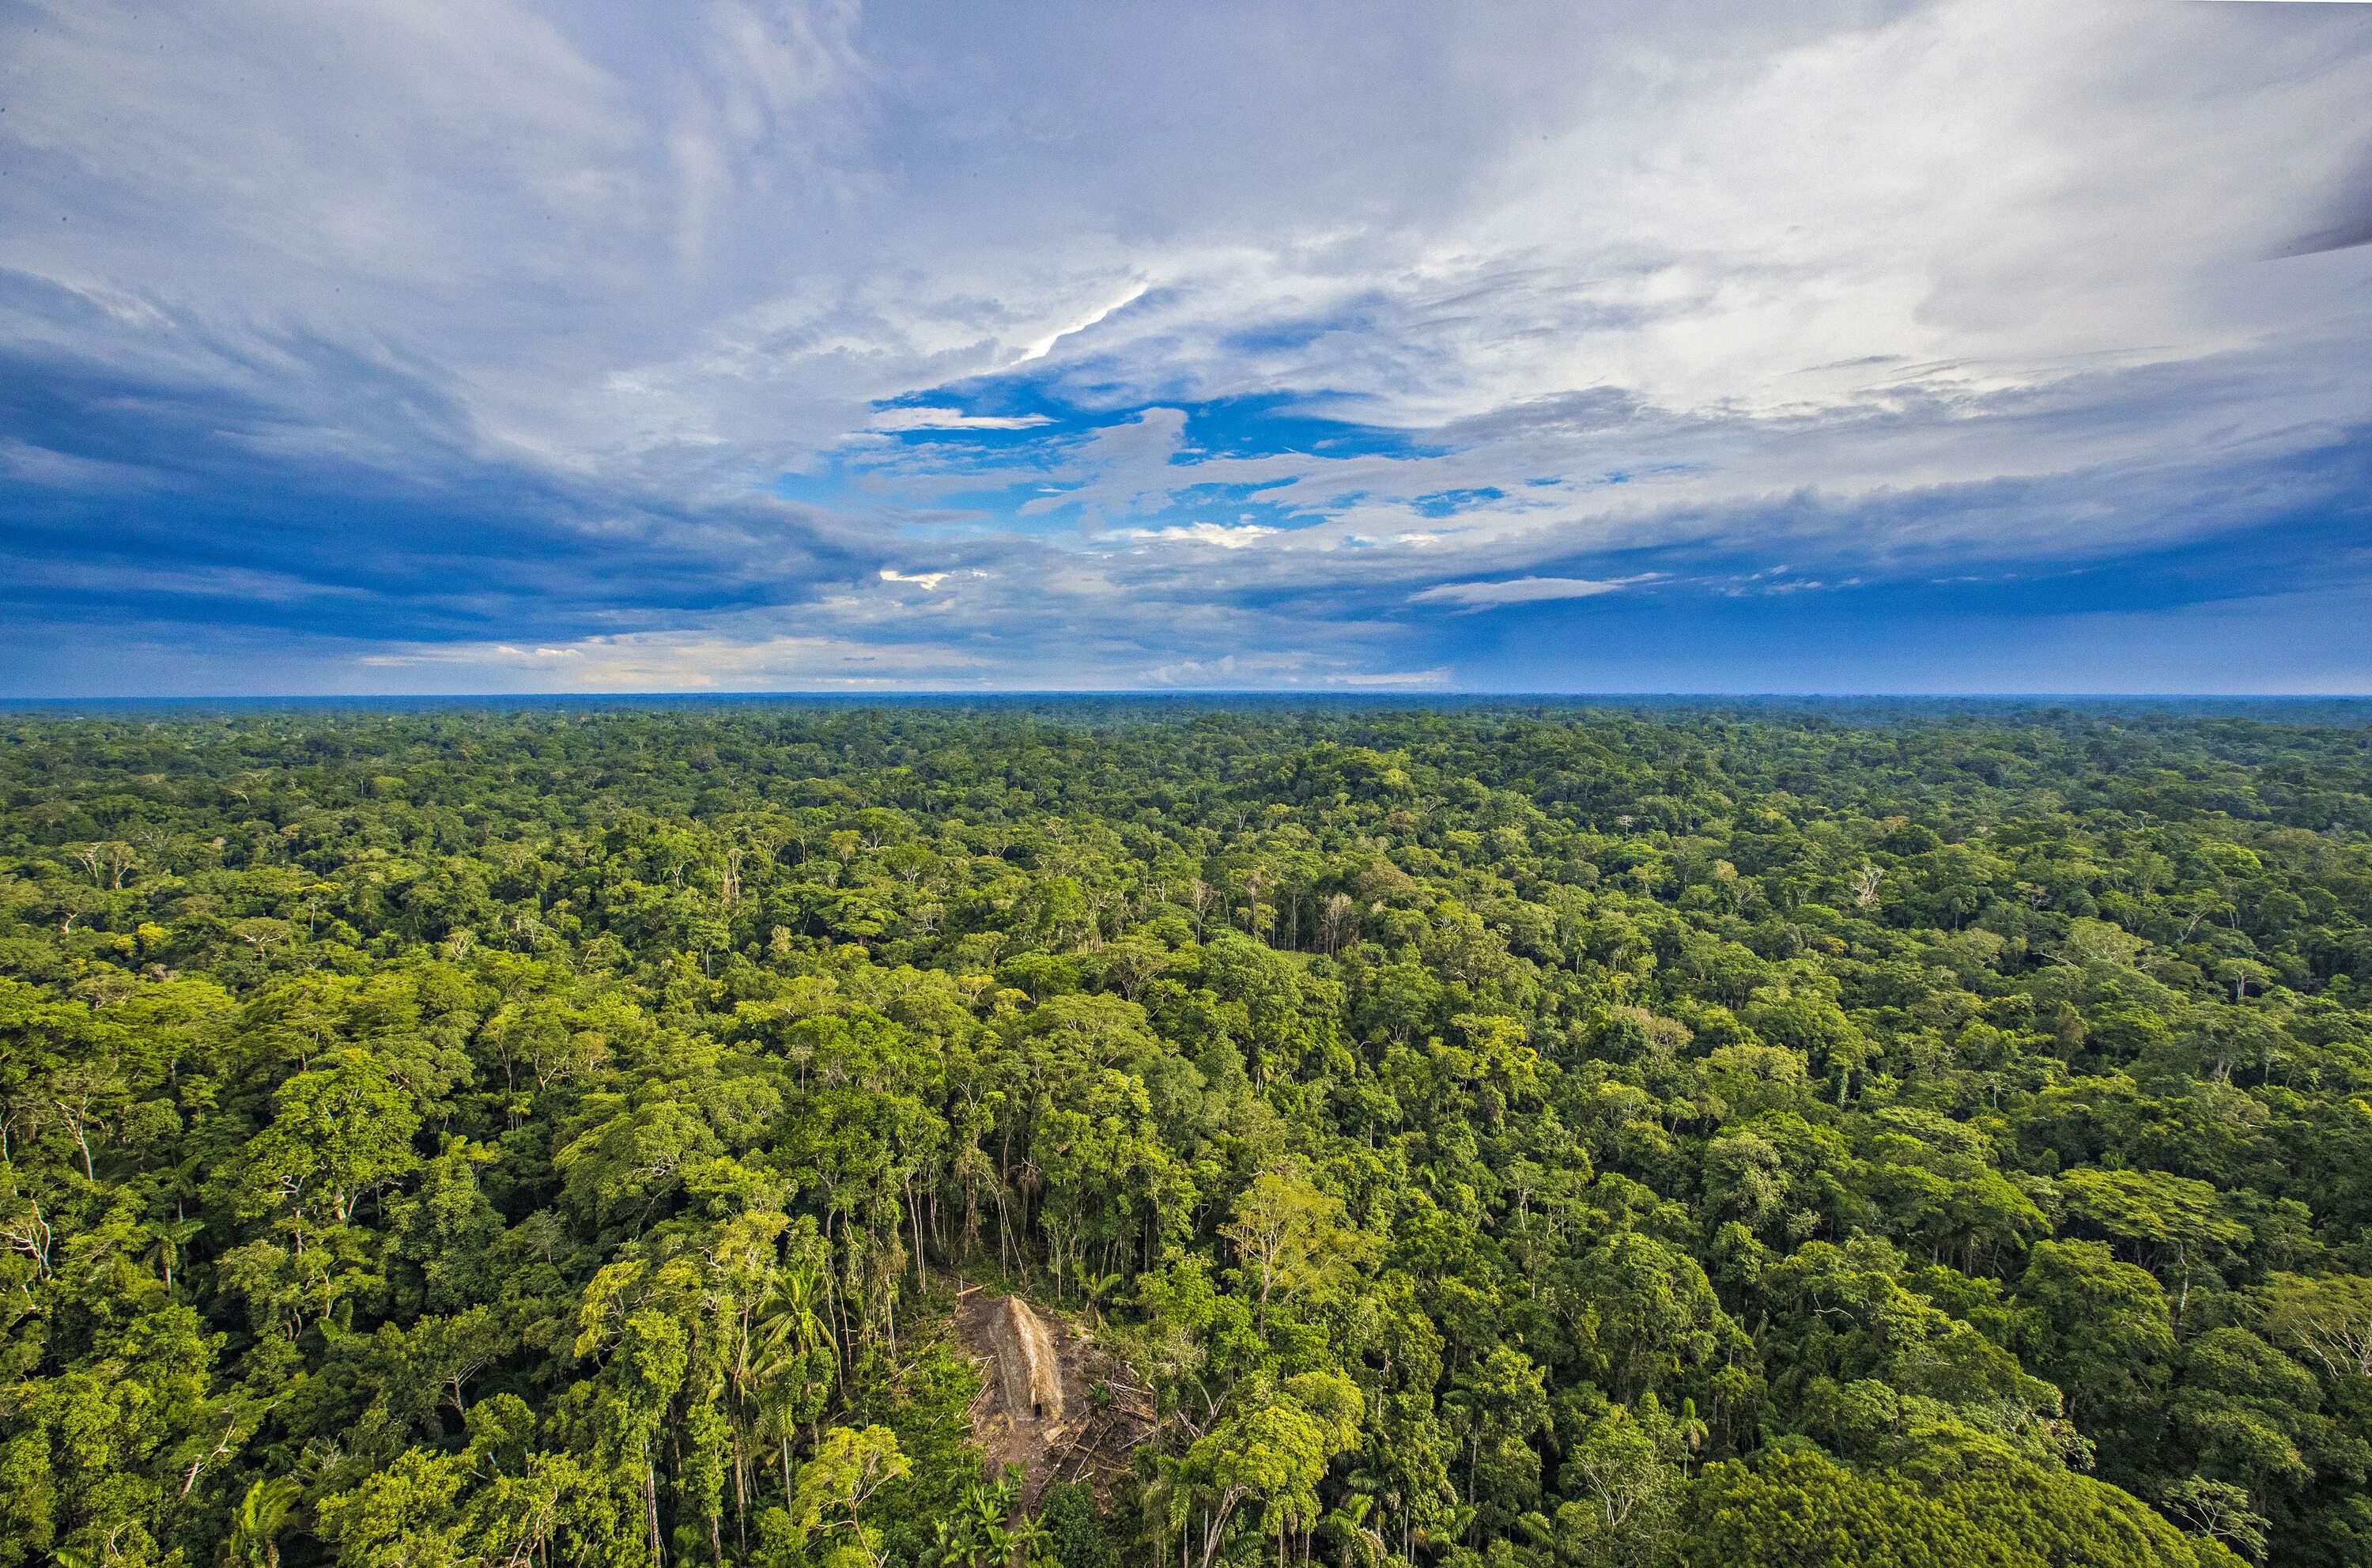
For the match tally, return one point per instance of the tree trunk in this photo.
(740, 1492)
(651, 1504)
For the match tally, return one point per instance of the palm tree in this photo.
(255, 1522)
(1030, 1540)
(976, 1536)
(793, 1346)
(1098, 1289)
(1362, 1546)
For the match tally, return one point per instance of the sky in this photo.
(1841, 346)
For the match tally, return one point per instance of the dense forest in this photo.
(1508, 1137)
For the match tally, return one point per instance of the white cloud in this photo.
(954, 419)
(1045, 345)
(1521, 590)
(678, 661)
(1287, 669)
(1226, 536)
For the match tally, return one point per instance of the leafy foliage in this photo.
(1540, 1139)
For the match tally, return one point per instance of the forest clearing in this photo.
(1050, 1402)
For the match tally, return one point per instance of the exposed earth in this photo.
(1050, 1402)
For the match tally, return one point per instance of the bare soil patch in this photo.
(1050, 1400)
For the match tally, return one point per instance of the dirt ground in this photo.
(1050, 1400)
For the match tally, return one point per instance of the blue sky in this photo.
(1861, 345)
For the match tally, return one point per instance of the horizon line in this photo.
(973, 694)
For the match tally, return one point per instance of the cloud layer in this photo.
(737, 346)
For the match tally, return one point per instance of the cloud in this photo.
(1522, 590)
(954, 419)
(1045, 345)
(376, 331)
(1288, 671)
(1236, 536)
(688, 662)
